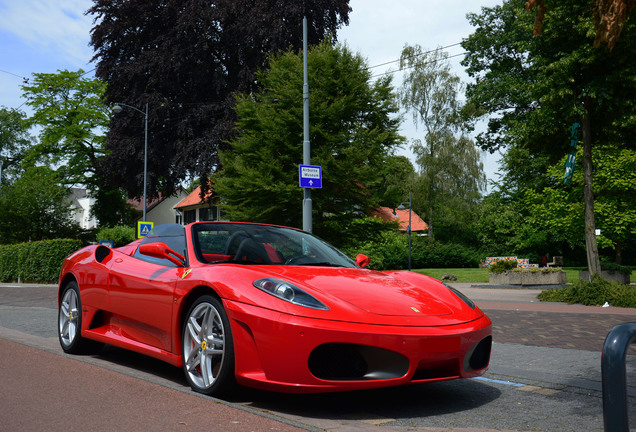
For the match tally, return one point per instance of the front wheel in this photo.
(208, 350)
(69, 320)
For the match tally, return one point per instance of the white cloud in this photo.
(50, 28)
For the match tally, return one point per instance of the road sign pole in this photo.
(307, 204)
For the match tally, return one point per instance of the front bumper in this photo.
(287, 353)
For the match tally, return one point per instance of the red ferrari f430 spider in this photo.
(268, 307)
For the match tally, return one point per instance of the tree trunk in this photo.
(591, 247)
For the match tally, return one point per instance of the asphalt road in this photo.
(544, 376)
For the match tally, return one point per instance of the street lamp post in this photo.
(408, 229)
(307, 203)
(117, 109)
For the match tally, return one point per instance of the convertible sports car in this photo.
(268, 307)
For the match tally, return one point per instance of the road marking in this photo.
(522, 387)
(510, 383)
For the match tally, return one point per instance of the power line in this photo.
(416, 55)
(25, 80)
(391, 72)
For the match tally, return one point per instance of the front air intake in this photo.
(350, 362)
(478, 356)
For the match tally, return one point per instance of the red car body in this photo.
(369, 328)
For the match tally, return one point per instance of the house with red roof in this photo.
(388, 214)
(161, 210)
(193, 208)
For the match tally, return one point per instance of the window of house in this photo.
(208, 214)
(189, 216)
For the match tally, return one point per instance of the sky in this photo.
(50, 35)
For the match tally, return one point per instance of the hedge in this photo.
(38, 261)
(390, 252)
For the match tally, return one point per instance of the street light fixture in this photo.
(408, 229)
(117, 109)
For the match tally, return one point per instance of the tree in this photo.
(609, 18)
(186, 60)
(14, 140)
(353, 130)
(535, 89)
(72, 121)
(448, 165)
(35, 207)
(399, 178)
(560, 211)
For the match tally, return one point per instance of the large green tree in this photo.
(353, 132)
(35, 207)
(449, 164)
(72, 121)
(534, 89)
(186, 59)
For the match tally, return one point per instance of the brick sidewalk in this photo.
(581, 331)
(518, 317)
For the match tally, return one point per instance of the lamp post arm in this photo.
(132, 107)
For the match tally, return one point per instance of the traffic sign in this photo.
(109, 243)
(143, 228)
(310, 176)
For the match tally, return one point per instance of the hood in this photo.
(379, 293)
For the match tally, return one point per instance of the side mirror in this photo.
(363, 260)
(162, 251)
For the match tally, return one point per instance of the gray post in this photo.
(307, 205)
(145, 162)
(615, 414)
(117, 109)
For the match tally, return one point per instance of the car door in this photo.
(142, 297)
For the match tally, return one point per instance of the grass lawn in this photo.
(477, 275)
(463, 274)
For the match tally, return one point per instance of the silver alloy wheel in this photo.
(204, 345)
(69, 318)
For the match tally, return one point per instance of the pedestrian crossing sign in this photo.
(143, 228)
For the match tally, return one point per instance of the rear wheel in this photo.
(208, 350)
(69, 320)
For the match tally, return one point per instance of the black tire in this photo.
(69, 320)
(208, 348)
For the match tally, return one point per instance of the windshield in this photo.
(263, 244)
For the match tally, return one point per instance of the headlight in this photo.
(289, 292)
(466, 300)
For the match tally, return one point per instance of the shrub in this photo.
(613, 267)
(502, 266)
(429, 253)
(390, 252)
(38, 261)
(593, 293)
(120, 235)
